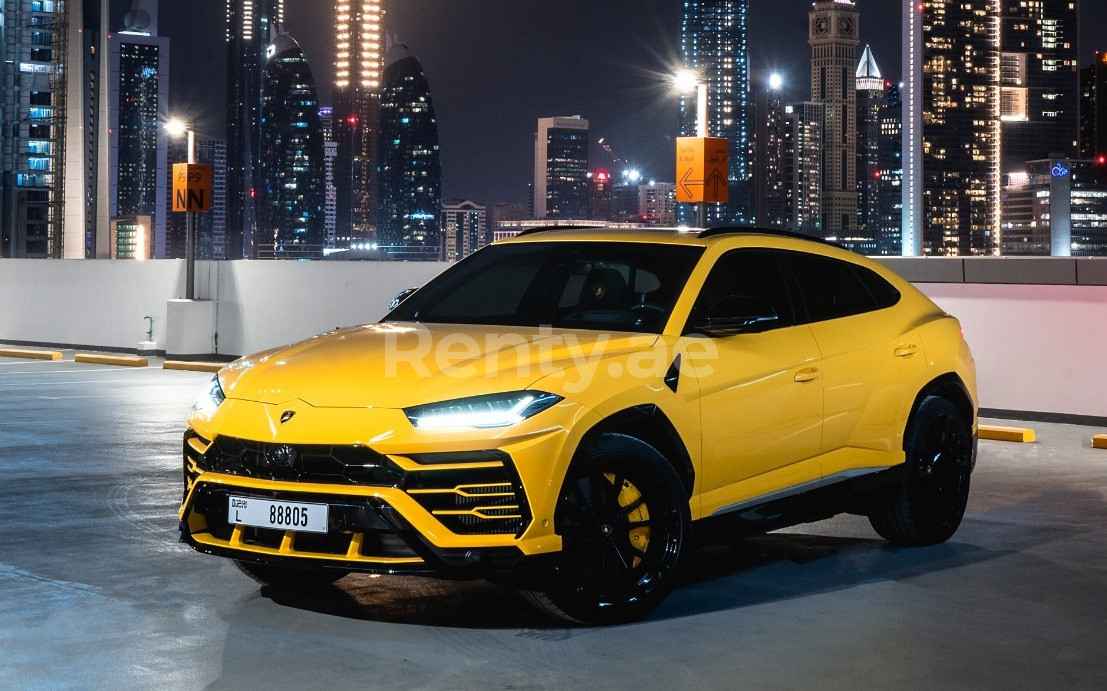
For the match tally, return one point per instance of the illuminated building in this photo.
(802, 168)
(358, 66)
(292, 193)
(464, 228)
(713, 45)
(132, 237)
(561, 168)
(1056, 206)
(330, 153)
(250, 26)
(657, 203)
(601, 195)
(138, 97)
(1039, 80)
(34, 127)
(86, 165)
(832, 34)
(870, 102)
(410, 200)
(889, 191)
(769, 201)
(1093, 108)
(951, 129)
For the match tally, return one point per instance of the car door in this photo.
(761, 391)
(871, 359)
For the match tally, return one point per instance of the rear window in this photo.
(832, 288)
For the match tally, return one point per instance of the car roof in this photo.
(662, 235)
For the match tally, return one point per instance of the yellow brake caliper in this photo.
(639, 535)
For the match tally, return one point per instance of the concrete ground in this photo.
(96, 592)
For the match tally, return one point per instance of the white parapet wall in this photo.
(1037, 327)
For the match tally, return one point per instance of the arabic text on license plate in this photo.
(279, 515)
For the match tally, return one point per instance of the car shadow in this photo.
(741, 573)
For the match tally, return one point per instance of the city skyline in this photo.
(561, 60)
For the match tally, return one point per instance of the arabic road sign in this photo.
(703, 165)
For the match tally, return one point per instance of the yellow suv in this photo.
(562, 411)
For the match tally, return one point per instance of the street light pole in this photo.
(190, 231)
(701, 131)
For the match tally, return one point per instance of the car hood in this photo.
(400, 365)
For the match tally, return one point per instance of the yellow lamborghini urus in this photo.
(563, 411)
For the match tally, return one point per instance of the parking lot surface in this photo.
(98, 593)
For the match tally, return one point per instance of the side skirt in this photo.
(847, 493)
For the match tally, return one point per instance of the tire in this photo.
(290, 578)
(624, 519)
(935, 489)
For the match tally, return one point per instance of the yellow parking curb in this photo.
(120, 360)
(193, 366)
(1016, 434)
(31, 354)
(1099, 441)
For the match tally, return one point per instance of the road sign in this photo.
(703, 165)
(191, 187)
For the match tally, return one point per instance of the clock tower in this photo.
(833, 35)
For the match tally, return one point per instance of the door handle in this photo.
(807, 374)
(906, 350)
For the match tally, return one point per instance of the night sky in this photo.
(496, 66)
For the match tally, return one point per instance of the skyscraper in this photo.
(251, 24)
(803, 163)
(951, 130)
(1040, 81)
(561, 168)
(358, 65)
(464, 228)
(138, 98)
(1093, 108)
(713, 45)
(330, 153)
(34, 101)
(292, 193)
(410, 196)
(833, 38)
(87, 146)
(870, 102)
(769, 201)
(888, 234)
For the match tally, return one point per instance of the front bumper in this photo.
(405, 505)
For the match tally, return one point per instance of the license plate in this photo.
(279, 515)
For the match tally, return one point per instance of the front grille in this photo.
(486, 498)
(471, 493)
(343, 465)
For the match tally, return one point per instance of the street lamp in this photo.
(686, 81)
(176, 128)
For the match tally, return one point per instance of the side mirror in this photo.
(736, 314)
(400, 297)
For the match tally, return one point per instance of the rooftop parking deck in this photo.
(98, 593)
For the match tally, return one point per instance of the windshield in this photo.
(621, 286)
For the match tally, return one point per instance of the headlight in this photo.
(211, 398)
(495, 410)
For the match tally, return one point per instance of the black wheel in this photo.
(624, 520)
(931, 501)
(290, 578)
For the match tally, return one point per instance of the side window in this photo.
(755, 274)
(882, 291)
(832, 288)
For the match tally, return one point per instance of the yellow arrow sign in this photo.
(702, 169)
